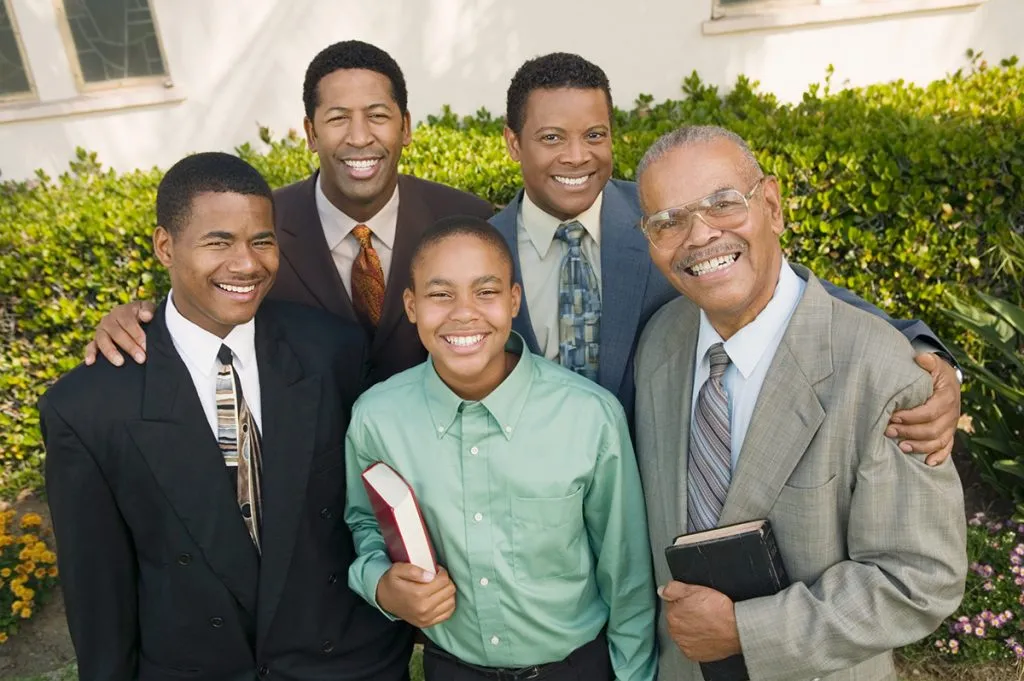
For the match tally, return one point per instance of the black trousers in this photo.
(589, 662)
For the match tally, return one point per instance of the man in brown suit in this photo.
(347, 231)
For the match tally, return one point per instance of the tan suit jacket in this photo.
(873, 539)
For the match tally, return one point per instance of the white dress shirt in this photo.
(198, 348)
(343, 243)
(751, 351)
(540, 260)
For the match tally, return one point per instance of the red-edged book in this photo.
(398, 514)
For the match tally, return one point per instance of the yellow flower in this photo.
(16, 606)
(28, 594)
(3, 637)
(31, 520)
(40, 573)
(26, 613)
(5, 573)
(52, 572)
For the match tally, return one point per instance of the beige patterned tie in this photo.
(239, 442)
(709, 465)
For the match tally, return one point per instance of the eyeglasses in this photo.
(726, 209)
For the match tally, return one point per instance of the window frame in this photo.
(64, 25)
(30, 94)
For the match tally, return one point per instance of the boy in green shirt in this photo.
(526, 479)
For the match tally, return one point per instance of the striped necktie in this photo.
(579, 305)
(709, 465)
(239, 442)
(367, 279)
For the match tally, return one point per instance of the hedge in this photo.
(895, 191)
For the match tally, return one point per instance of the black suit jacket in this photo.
(160, 578)
(308, 275)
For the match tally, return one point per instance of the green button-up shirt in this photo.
(533, 502)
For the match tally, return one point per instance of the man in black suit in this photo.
(198, 499)
(346, 232)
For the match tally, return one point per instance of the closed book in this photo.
(399, 516)
(741, 561)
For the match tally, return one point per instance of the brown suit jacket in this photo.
(307, 273)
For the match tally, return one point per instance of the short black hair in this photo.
(210, 171)
(551, 72)
(352, 54)
(462, 225)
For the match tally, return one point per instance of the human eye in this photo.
(549, 138)
(596, 135)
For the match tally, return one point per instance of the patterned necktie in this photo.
(241, 451)
(579, 306)
(367, 279)
(709, 465)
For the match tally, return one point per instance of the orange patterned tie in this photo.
(367, 279)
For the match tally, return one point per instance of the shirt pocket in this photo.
(547, 537)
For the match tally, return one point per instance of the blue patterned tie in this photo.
(579, 306)
(709, 465)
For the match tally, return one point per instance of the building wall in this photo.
(239, 63)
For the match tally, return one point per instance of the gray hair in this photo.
(689, 135)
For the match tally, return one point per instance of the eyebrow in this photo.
(264, 235)
(346, 109)
(485, 279)
(218, 235)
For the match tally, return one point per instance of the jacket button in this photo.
(327, 646)
(263, 670)
(333, 579)
(216, 622)
(326, 514)
(184, 559)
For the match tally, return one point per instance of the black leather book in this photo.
(742, 561)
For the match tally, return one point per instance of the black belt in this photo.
(516, 673)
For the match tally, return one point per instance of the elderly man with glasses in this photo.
(759, 395)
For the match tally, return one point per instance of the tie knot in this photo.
(362, 234)
(719, 359)
(571, 233)
(224, 355)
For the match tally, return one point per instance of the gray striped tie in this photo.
(709, 464)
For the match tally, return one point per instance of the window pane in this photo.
(13, 79)
(114, 39)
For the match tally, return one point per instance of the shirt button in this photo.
(484, 581)
(440, 429)
(216, 622)
(508, 429)
(495, 640)
(478, 517)
(263, 670)
(326, 514)
(184, 559)
(474, 451)
(332, 579)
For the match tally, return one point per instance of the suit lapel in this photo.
(304, 245)
(414, 217)
(507, 222)
(787, 413)
(290, 407)
(673, 386)
(625, 266)
(180, 449)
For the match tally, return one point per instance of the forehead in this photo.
(566, 108)
(229, 212)
(692, 172)
(352, 87)
(461, 257)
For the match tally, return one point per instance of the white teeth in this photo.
(238, 289)
(572, 181)
(464, 341)
(362, 164)
(713, 265)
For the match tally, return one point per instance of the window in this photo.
(112, 43)
(728, 16)
(14, 77)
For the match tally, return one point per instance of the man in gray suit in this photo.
(559, 129)
(761, 396)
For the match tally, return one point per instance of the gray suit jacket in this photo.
(873, 539)
(633, 289)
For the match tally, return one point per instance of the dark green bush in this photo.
(895, 191)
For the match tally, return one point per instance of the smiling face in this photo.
(729, 273)
(222, 260)
(564, 149)
(358, 131)
(462, 302)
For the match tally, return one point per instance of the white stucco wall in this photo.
(241, 62)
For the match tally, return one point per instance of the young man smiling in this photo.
(527, 481)
(588, 281)
(197, 499)
(346, 232)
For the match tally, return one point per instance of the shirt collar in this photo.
(337, 225)
(541, 226)
(505, 403)
(201, 347)
(748, 345)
